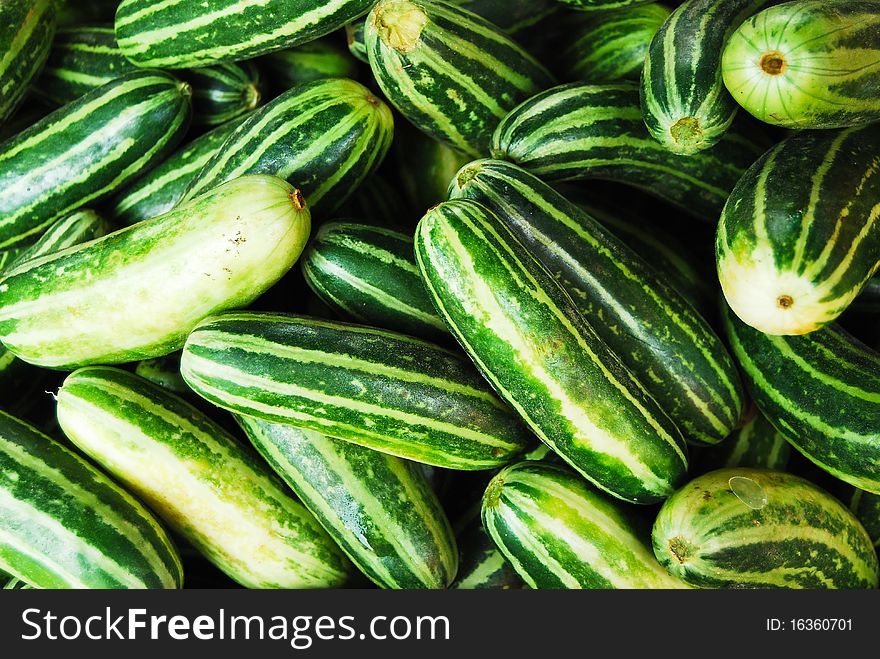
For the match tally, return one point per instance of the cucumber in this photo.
(482, 566)
(77, 12)
(866, 507)
(756, 445)
(378, 508)
(316, 60)
(557, 532)
(83, 58)
(423, 167)
(86, 149)
(448, 71)
(16, 584)
(357, 40)
(821, 390)
(513, 16)
(137, 293)
(379, 389)
(531, 343)
(189, 33)
(800, 235)
(657, 334)
(325, 137)
(754, 528)
(808, 64)
(27, 28)
(602, 5)
(223, 92)
(199, 479)
(67, 525)
(684, 102)
(164, 372)
(580, 131)
(368, 273)
(611, 46)
(162, 188)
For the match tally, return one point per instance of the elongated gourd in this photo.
(137, 293)
(27, 28)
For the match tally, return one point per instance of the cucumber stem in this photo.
(399, 24)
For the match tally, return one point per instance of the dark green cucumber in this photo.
(199, 479)
(316, 60)
(325, 137)
(866, 507)
(582, 131)
(685, 104)
(223, 92)
(379, 389)
(368, 273)
(136, 293)
(357, 40)
(67, 525)
(820, 390)
(656, 332)
(757, 445)
(481, 566)
(808, 64)
(754, 528)
(531, 343)
(162, 188)
(27, 28)
(87, 149)
(83, 58)
(77, 12)
(611, 46)
(377, 201)
(448, 71)
(557, 532)
(179, 34)
(512, 16)
(800, 235)
(380, 509)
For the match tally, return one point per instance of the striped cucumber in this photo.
(177, 34)
(165, 372)
(757, 445)
(162, 188)
(83, 58)
(199, 479)
(223, 92)
(602, 5)
(684, 102)
(27, 28)
(369, 273)
(754, 528)
(821, 390)
(866, 507)
(557, 532)
(316, 60)
(582, 131)
(15, 584)
(357, 40)
(610, 46)
(378, 389)
(657, 334)
(325, 137)
(448, 71)
(86, 149)
(530, 341)
(800, 235)
(380, 509)
(67, 525)
(512, 16)
(137, 293)
(482, 566)
(808, 64)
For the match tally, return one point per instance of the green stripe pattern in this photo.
(532, 344)
(82, 58)
(86, 149)
(821, 390)
(610, 46)
(223, 92)
(357, 40)
(757, 445)
(325, 137)
(482, 566)
(656, 333)
(177, 34)
(800, 235)
(67, 525)
(369, 274)
(808, 64)
(754, 528)
(199, 479)
(316, 60)
(866, 507)
(27, 28)
(134, 294)
(579, 131)
(448, 71)
(380, 509)
(685, 104)
(162, 188)
(557, 532)
(602, 5)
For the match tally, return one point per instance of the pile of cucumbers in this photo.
(422, 293)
